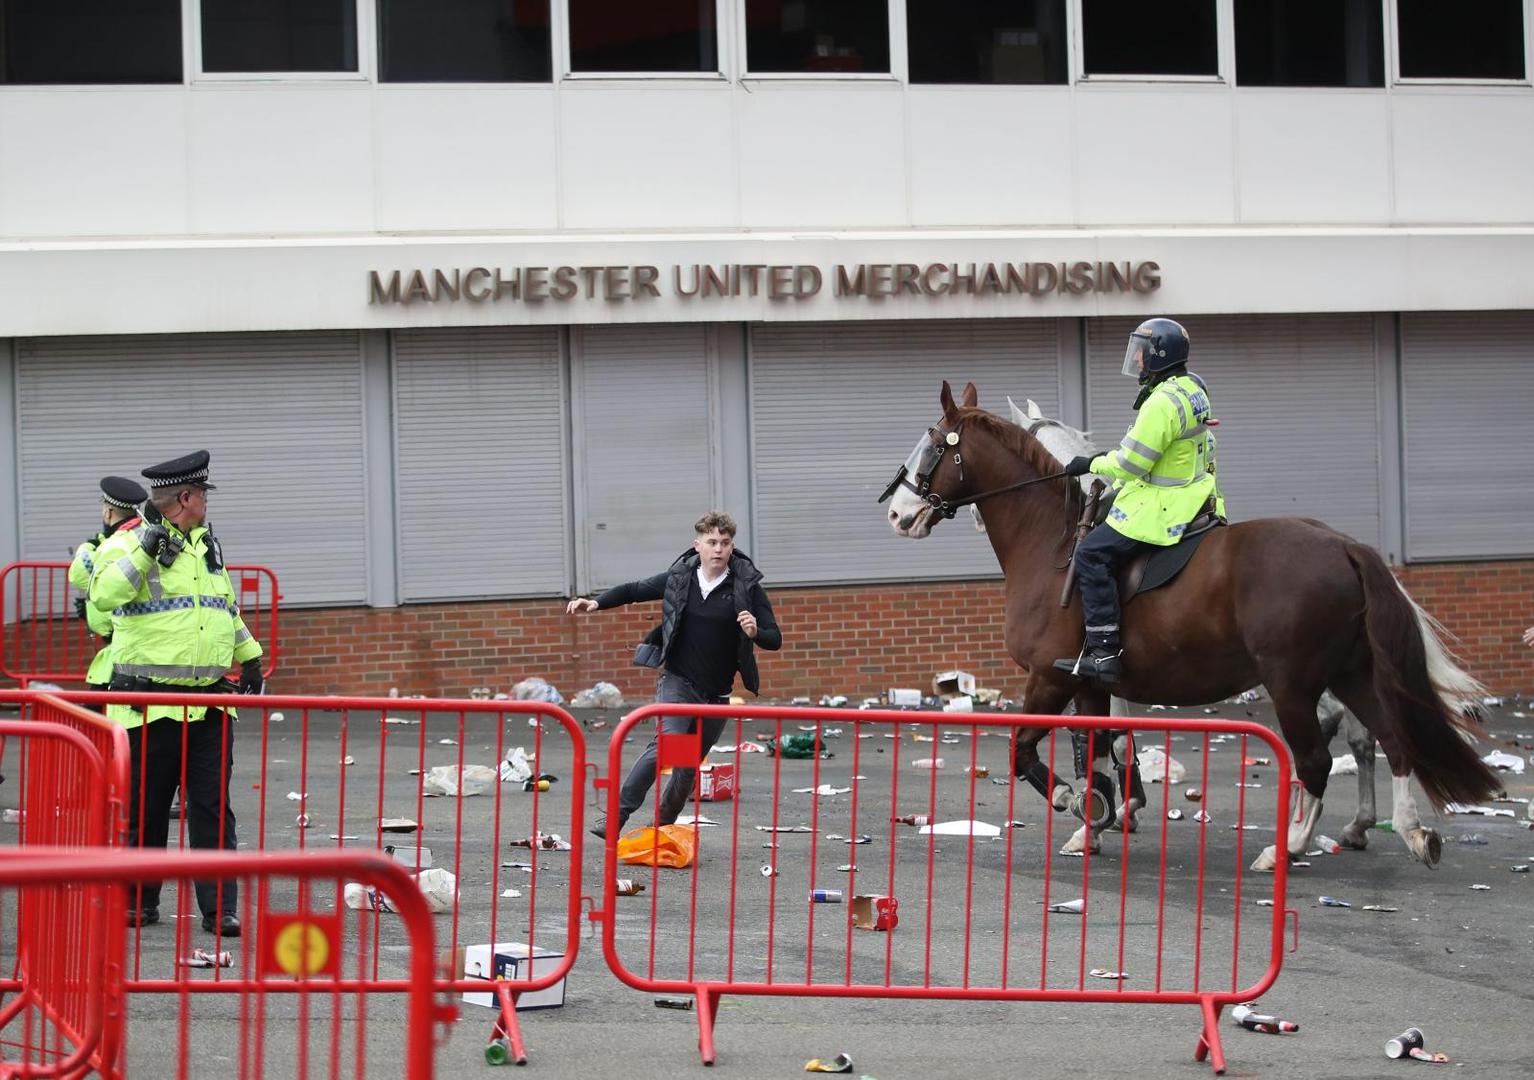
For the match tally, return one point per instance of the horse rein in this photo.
(923, 485)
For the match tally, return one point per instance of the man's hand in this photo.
(580, 606)
(747, 623)
(1080, 466)
(251, 679)
(155, 539)
(1528, 636)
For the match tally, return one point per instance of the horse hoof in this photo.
(1425, 845)
(1082, 841)
(1129, 817)
(1355, 837)
(1266, 861)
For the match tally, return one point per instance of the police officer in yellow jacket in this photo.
(1165, 471)
(176, 628)
(120, 498)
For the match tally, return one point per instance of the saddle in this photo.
(1148, 570)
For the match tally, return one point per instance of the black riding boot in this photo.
(1099, 659)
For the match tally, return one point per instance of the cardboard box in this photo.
(509, 960)
(875, 912)
(952, 684)
(716, 783)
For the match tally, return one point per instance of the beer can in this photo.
(674, 1003)
(1408, 1040)
(826, 896)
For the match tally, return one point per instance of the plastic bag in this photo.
(439, 886)
(446, 780)
(671, 846)
(1157, 768)
(516, 769)
(792, 746)
(536, 689)
(604, 695)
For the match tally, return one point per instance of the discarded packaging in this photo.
(397, 824)
(208, 958)
(1521, 868)
(784, 828)
(839, 1064)
(447, 780)
(1504, 762)
(1193, 794)
(512, 961)
(438, 886)
(825, 896)
(1254, 1021)
(927, 763)
(1410, 1039)
(1070, 907)
(1379, 907)
(961, 828)
(833, 701)
(823, 789)
(1416, 1053)
(684, 1003)
(716, 783)
(1156, 767)
(1486, 811)
(875, 912)
(979, 771)
(959, 704)
(416, 858)
(1481, 888)
(911, 819)
(1332, 901)
(628, 887)
(303, 821)
(952, 684)
(510, 894)
(1328, 845)
(536, 689)
(604, 695)
(1104, 973)
(1174, 814)
(516, 769)
(901, 698)
(1202, 815)
(543, 842)
(769, 871)
(792, 746)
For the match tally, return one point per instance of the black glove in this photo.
(1080, 466)
(80, 607)
(251, 680)
(156, 540)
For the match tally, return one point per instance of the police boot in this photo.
(1099, 659)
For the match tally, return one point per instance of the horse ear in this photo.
(971, 396)
(1034, 412)
(946, 400)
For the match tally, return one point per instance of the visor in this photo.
(1138, 345)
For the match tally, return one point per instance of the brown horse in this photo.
(1285, 602)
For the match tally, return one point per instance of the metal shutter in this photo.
(1298, 406)
(480, 463)
(835, 409)
(281, 414)
(1467, 381)
(649, 452)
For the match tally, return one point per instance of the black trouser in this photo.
(1098, 557)
(155, 750)
(671, 688)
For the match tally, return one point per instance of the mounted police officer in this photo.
(714, 615)
(1165, 472)
(176, 629)
(120, 498)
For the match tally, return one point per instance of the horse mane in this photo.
(1017, 440)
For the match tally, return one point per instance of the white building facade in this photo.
(488, 300)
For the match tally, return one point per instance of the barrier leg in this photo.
(708, 1004)
(1209, 1040)
(506, 1037)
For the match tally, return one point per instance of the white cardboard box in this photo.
(509, 960)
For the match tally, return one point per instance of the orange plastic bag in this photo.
(671, 846)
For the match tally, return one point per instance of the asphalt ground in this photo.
(1455, 961)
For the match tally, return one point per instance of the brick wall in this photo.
(852, 640)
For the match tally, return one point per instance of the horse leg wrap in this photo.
(1047, 784)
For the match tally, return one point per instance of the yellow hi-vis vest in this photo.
(1164, 465)
(178, 624)
(99, 622)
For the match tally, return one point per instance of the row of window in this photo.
(1277, 42)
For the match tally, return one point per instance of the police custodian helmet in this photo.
(1163, 344)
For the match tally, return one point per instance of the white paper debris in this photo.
(823, 789)
(961, 828)
(1505, 762)
(446, 780)
(1070, 907)
(1469, 808)
(516, 769)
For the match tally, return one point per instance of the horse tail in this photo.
(1420, 688)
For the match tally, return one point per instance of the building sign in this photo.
(788, 283)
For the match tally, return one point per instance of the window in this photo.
(814, 36)
(653, 36)
(90, 41)
(1310, 43)
(1131, 37)
(986, 41)
(279, 35)
(463, 41)
(1484, 40)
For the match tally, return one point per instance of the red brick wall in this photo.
(857, 641)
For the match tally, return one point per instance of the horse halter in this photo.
(924, 461)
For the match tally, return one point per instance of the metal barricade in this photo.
(54, 933)
(292, 996)
(339, 774)
(809, 883)
(42, 639)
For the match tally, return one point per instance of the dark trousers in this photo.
(155, 749)
(636, 785)
(1098, 557)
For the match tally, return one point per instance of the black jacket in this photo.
(670, 588)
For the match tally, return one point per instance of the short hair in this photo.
(117, 513)
(715, 519)
(166, 497)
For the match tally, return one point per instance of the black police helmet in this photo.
(1161, 342)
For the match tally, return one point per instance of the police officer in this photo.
(176, 629)
(119, 510)
(1165, 471)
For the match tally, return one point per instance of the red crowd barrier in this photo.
(42, 639)
(978, 917)
(60, 936)
(301, 946)
(339, 774)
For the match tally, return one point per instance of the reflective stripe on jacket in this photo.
(178, 624)
(1163, 465)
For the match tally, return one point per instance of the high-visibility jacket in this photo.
(99, 622)
(178, 624)
(1164, 465)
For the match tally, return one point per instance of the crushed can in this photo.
(684, 1003)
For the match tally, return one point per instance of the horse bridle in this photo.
(927, 460)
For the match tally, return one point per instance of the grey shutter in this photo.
(648, 469)
(1298, 405)
(281, 414)
(1467, 381)
(481, 475)
(835, 409)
